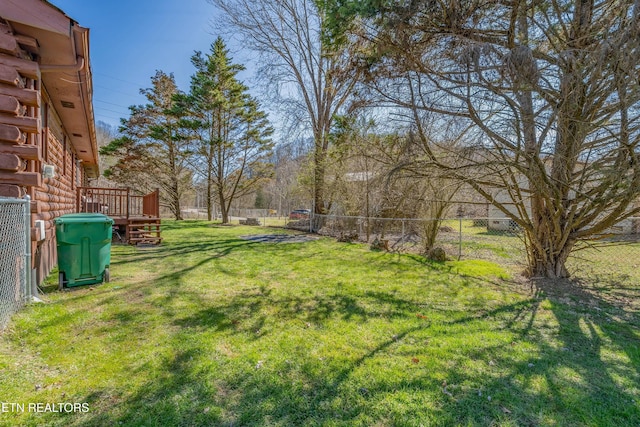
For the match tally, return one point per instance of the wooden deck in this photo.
(136, 218)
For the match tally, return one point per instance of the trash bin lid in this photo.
(83, 218)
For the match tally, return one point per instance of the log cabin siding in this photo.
(35, 127)
(20, 137)
(57, 195)
(32, 135)
(20, 124)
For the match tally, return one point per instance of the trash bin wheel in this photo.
(60, 281)
(106, 275)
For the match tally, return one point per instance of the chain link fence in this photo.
(613, 261)
(234, 213)
(615, 256)
(15, 256)
(469, 238)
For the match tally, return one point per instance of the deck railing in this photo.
(117, 202)
(108, 201)
(151, 204)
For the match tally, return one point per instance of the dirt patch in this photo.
(280, 238)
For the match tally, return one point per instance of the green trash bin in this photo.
(84, 248)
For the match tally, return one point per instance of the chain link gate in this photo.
(15, 256)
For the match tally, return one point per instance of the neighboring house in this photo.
(47, 136)
(498, 221)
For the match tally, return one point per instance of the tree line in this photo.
(545, 94)
(216, 134)
(537, 102)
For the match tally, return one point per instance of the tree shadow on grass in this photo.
(533, 374)
(184, 395)
(307, 395)
(177, 396)
(589, 334)
(214, 249)
(553, 366)
(570, 378)
(185, 389)
(218, 247)
(564, 377)
(317, 392)
(250, 308)
(617, 290)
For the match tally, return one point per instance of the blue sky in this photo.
(131, 39)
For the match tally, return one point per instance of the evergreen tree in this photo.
(230, 132)
(152, 151)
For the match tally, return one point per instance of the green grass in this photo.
(210, 329)
(612, 267)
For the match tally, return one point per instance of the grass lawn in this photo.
(211, 329)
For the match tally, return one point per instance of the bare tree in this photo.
(419, 190)
(380, 177)
(284, 188)
(105, 133)
(309, 75)
(549, 91)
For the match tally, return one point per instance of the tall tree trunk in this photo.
(548, 247)
(319, 172)
(210, 184)
(551, 240)
(223, 207)
(548, 259)
(177, 203)
(175, 195)
(174, 177)
(209, 196)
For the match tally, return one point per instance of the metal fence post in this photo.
(312, 215)
(27, 294)
(459, 238)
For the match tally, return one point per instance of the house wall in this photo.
(31, 136)
(20, 124)
(497, 219)
(57, 195)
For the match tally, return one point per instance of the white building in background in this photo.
(497, 220)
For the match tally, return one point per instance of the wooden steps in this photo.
(144, 230)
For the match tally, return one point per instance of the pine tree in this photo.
(152, 151)
(230, 132)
